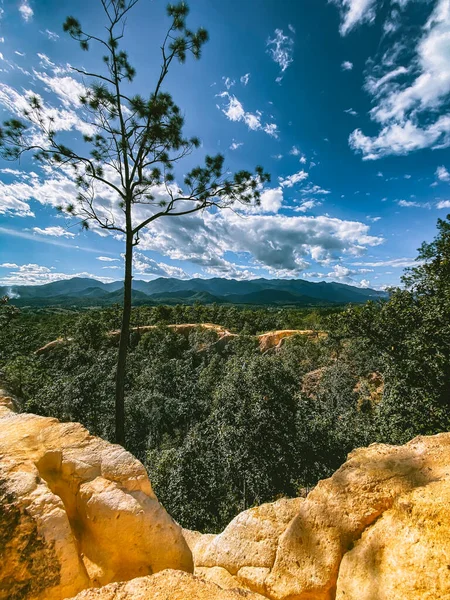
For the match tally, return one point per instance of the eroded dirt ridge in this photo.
(266, 341)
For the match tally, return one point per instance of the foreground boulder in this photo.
(377, 494)
(168, 585)
(75, 512)
(406, 553)
(246, 548)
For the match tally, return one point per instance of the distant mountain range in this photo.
(268, 292)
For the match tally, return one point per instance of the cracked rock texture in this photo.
(75, 512)
(167, 585)
(340, 509)
(246, 548)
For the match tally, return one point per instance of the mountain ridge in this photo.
(276, 292)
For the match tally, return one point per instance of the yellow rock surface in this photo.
(405, 554)
(339, 509)
(75, 511)
(197, 542)
(274, 339)
(247, 546)
(167, 585)
(222, 578)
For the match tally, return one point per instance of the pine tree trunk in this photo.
(123, 345)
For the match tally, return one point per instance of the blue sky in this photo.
(344, 102)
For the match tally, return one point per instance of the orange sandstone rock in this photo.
(167, 585)
(405, 554)
(337, 512)
(75, 511)
(247, 546)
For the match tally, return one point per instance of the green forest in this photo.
(221, 429)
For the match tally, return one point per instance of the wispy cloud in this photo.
(291, 180)
(26, 11)
(442, 174)
(245, 79)
(54, 232)
(281, 49)
(44, 239)
(412, 115)
(51, 35)
(354, 12)
(234, 111)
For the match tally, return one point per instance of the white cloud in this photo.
(344, 274)
(314, 190)
(33, 274)
(55, 190)
(245, 79)
(271, 129)
(352, 112)
(51, 35)
(143, 265)
(281, 49)
(234, 111)
(54, 231)
(66, 88)
(347, 65)
(442, 174)
(107, 259)
(228, 82)
(412, 204)
(341, 272)
(376, 86)
(373, 219)
(8, 171)
(9, 266)
(307, 205)
(11, 204)
(271, 200)
(236, 145)
(400, 263)
(45, 61)
(277, 242)
(60, 119)
(26, 11)
(410, 114)
(295, 151)
(401, 138)
(291, 180)
(443, 204)
(354, 12)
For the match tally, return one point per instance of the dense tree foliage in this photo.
(224, 428)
